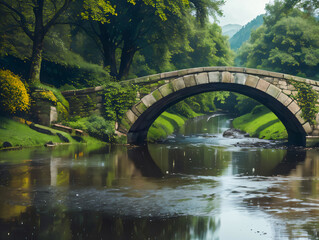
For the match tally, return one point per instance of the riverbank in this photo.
(14, 134)
(166, 124)
(261, 123)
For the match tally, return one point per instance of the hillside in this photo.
(230, 29)
(244, 33)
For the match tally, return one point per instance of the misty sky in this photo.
(241, 11)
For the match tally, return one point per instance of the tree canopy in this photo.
(287, 42)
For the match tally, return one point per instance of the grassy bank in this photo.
(261, 123)
(19, 134)
(165, 125)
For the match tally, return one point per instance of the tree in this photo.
(139, 24)
(287, 42)
(36, 18)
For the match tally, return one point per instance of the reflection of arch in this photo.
(143, 114)
(144, 161)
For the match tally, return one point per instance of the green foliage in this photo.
(14, 97)
(95, 126)
(307, 99)
(287, 42)
(245, 104)
(118, 99)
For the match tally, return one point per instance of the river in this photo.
(196, 184)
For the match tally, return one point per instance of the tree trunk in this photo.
(109, 49)
(36, 60)
(127, 56)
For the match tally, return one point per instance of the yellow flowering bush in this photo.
(14, 97)
(46, 95)
(62, 111)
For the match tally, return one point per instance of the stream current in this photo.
(196, 184)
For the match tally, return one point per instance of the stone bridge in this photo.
(272, 89)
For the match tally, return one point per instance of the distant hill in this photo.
(230, 29)
(244, 33)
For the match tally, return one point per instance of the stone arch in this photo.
(141, 116)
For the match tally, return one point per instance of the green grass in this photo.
(164, 125)
(19, 134)
(262, 124)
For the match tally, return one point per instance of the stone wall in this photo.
(85, 102)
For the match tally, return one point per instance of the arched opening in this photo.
(296, 133)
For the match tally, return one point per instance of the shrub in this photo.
(14, 97)
(118, 99)
(95, 126)
(100, 128)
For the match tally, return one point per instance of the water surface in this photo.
(195, 185)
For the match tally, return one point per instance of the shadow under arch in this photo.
(137, 133)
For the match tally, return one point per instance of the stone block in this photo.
(262, 85)
(227, 77)
(178, 84)
(288, 92)
(276, 75)
(273, 91)
(131, 116)
(189, 80)
(293, 107)
(141, 79)
(157, 95)
(299, 117)
(182, 72)
(307, 127)
(169, 74)
(252, 81)
(269, 79)
(214, 76)
(154, 77)
(282, 83)
(195, 70)
(140, 107)
(288, 101)
(257, 72)
(148, 100)
(235, 69)
(53, 114)
(166, 89)
(240, 78)
(126, 124)
(135, 111)
(201, 78)
(288, 77)
(214, 69)
(291, 88)
(282, 98)
(99, 88)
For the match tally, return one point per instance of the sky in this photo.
(241, 11)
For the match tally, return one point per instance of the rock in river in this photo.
(234, 133)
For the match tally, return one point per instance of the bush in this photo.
(118, 99)
(95, 126)
(14, 97)
(100, 128)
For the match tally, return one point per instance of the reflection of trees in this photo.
(293, 198)
(97, 226)
(203, 161)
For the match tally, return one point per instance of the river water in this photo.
(195, 185)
